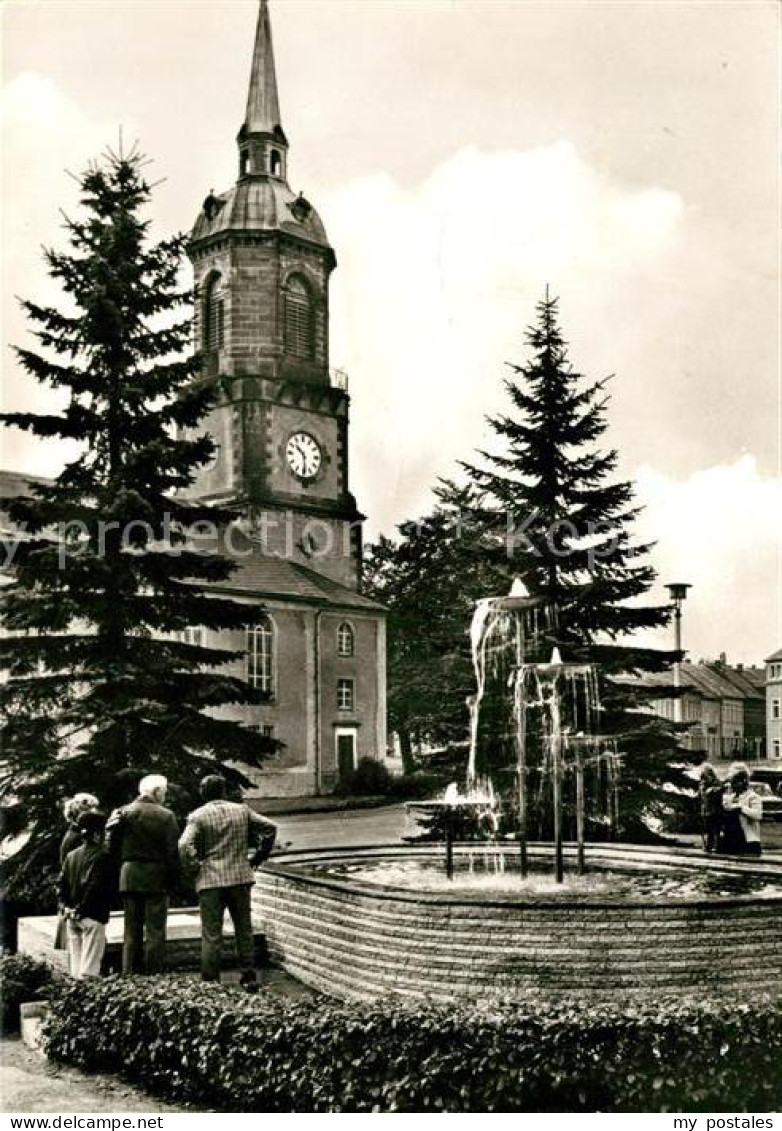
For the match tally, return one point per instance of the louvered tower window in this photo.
(214, 316)
(299, 321)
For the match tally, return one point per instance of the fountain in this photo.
(505, 634)
(624, 921)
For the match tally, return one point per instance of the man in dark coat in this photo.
(221, 843)
(143, 837)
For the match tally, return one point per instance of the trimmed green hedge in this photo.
(23, 978)
(215, 1046)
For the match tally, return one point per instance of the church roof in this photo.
(265, 577)
(263, 104)
(260, 204)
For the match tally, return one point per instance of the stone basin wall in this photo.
(356, 940)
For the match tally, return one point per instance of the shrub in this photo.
(214, 1046)
(369, 779)
(23, 978)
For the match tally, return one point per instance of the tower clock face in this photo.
(303, 455)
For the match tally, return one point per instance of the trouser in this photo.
(711, 829)
(144, 943)
(86, 944)
(213, 902)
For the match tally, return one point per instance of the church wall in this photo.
(293, 713)
(362, 668)
(284, 532)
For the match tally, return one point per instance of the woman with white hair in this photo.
(745, 809)
(72, 810)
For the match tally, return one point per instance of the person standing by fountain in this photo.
(216, 847)
(710, 790)
(744, 810)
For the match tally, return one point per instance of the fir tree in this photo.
(543, 506)
(429, 579)
(568, 527)
(101, 687)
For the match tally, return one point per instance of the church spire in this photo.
(263, 105)
(262, 141)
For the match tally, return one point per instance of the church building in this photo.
(262, 263)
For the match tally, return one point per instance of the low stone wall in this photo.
(183, 941)
(357, 940)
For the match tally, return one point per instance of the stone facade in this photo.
(355, 941)
(774, 706)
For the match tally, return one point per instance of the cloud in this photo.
(719, 529)
(44, 134)
(436, 284)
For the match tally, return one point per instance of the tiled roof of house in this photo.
(775, 657)
(703, 680)
(750, 681)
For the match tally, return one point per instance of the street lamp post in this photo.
(678, 594)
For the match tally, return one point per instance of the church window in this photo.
(345, 640)
(260, 655)
(244, 158)
(275, 164)
(299, 320)
(345, 695)
(214, 316)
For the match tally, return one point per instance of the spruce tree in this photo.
(567, 523)
(429, 578)
(543, 505)
(106, 575)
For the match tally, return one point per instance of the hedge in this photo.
(23, 978)
(216, 1047)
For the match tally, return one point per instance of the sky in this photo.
(463, 156)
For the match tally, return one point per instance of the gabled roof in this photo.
(699, 679)
(774, 658)
(751, 682)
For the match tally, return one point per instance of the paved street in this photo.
(352, 827)
(389, 824)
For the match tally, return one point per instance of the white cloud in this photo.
(43, 131)
(436, 283)
(720, 530)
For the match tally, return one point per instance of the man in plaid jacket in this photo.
(219, 842)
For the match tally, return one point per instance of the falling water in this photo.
(552, 722)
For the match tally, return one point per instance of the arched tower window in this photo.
(259, 644)
(299, 320)
(346, 642)
(244, 158)
(275, 163)
(214, 315)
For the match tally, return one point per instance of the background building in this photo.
(724, 707)
(774, 705)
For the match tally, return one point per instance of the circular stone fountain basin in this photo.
(359, 923)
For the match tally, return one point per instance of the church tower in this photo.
(262, 263)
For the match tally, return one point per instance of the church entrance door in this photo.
(346, 752)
